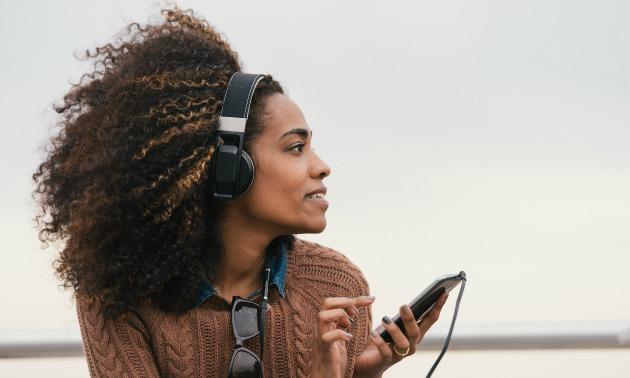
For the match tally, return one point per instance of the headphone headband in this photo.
(237, 100)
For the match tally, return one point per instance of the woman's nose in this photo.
(321, 169)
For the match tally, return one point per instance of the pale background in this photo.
(487, 136)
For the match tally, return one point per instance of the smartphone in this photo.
(425, 301)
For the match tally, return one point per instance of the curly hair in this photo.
(124, 182)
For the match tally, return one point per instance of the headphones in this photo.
(232, 172)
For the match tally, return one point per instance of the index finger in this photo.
(363, 300)
(343, 302)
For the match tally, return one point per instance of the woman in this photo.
(159, 268)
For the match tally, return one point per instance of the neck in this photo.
(240, 268)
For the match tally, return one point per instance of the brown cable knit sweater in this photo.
(199, 343)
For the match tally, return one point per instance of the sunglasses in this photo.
(248, 320)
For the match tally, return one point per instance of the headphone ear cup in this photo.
(246, 175)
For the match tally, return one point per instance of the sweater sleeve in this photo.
(115, 348)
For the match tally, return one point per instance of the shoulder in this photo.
(90, 311)
(326, 269)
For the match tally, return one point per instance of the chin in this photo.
(311, 228)
(316, 229)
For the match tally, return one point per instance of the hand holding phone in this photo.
(420, 306)
(425, 301)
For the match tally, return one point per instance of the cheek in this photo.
(282, 182)
(277, 194)
(279, 187)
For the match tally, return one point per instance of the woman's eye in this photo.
(298, 145)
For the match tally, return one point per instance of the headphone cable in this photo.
(450, 331)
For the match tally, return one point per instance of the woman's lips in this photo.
(320, 201)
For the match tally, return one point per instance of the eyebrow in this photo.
(301, 132)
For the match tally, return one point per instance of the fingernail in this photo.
(351, 320)
(371, 297)
(386, 319)
(348, 334)
(373, 333)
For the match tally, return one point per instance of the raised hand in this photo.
(379, 355)
(330, 354)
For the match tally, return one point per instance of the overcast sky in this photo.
(485, 136)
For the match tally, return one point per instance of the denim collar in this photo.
(276, 258)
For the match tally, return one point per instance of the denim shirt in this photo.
(276, 260)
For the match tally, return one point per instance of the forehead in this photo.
(284, 115)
